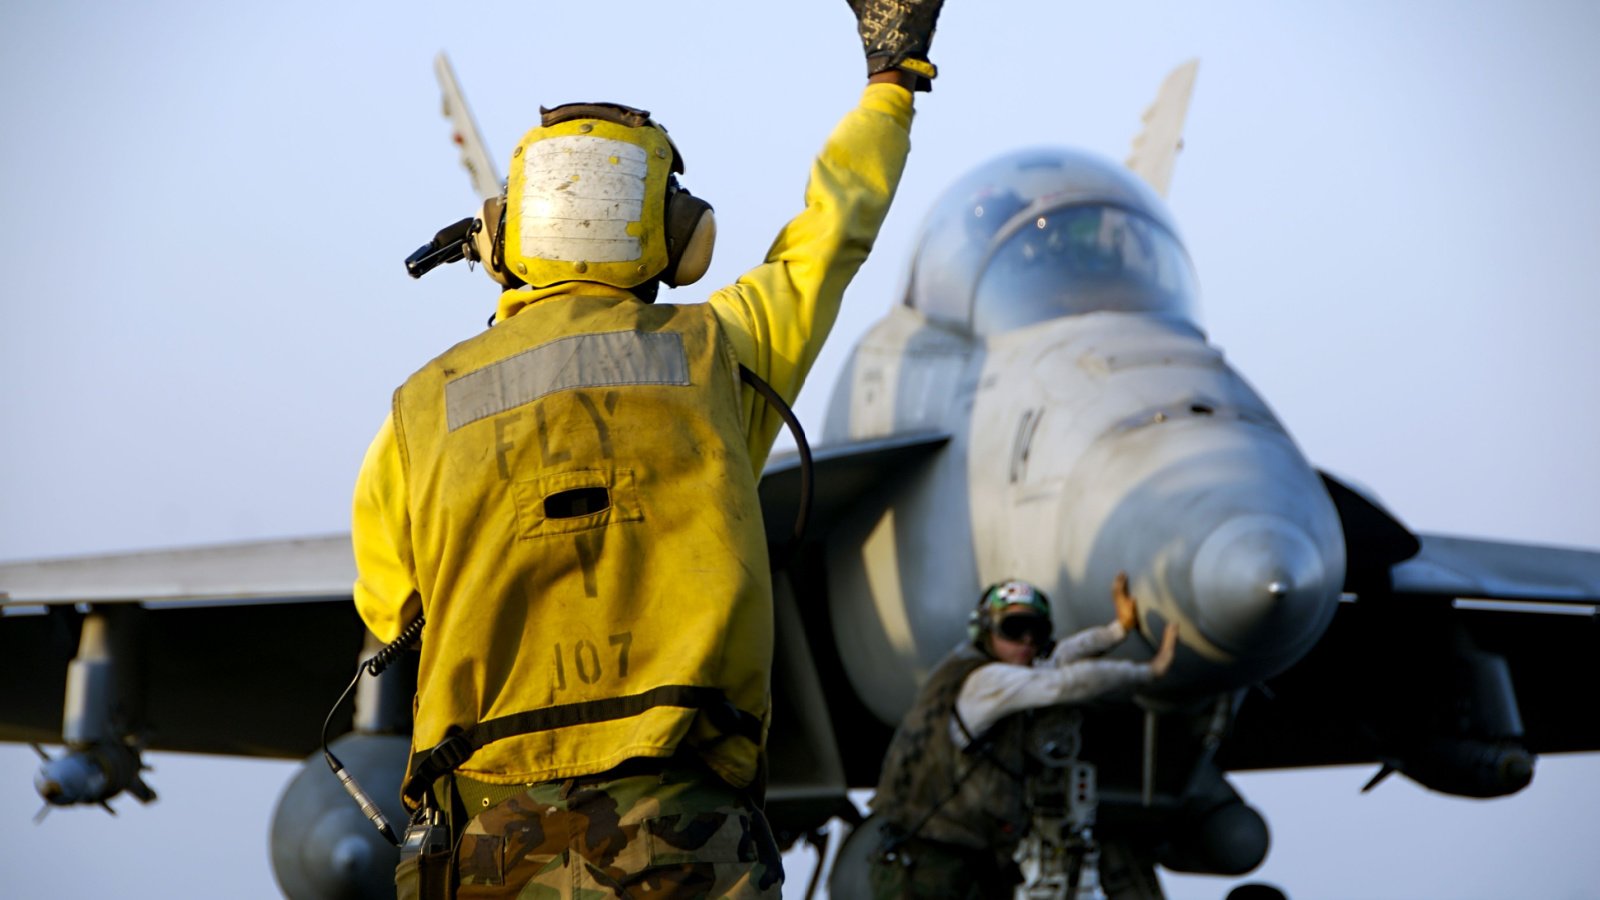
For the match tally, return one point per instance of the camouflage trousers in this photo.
(682, 833)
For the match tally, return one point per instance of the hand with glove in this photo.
(895, 35)
(1127, 607)
(1128, 616)
(1166, 653)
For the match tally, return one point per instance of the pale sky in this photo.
(1392, 208)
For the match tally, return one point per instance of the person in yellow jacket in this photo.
(569, 499)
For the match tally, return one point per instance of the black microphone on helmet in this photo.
(453, 243)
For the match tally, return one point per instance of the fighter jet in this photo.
(1041, 403)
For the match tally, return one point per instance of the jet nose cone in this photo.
(1261, 585)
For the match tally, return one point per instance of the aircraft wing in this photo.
(296, 569)
(1402, 664)
(1470, 569)
(243, 646)
(246, 646)
(813, 701)
(844, 472)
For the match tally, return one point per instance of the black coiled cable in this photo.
(387, 655)
(374, 665)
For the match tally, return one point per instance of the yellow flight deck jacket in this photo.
(570, 497)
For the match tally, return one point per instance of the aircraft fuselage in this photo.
(1080, 447)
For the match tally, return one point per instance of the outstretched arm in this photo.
(997, 690)
(1088, 642)
(778, 314)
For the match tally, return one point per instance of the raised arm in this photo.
(778, 314)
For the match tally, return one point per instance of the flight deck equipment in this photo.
(1060, 858)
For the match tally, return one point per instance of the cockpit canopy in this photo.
(1040, 234)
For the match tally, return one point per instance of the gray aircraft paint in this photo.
(160, 515)
(1081, 446)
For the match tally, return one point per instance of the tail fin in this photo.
(1156, 148)
(485, 177)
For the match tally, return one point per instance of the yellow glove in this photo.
(1127, 607)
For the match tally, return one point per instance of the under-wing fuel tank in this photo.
(1048, 330)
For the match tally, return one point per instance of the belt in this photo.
(428, 766)
(477, 796)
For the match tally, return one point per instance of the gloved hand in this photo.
(1162, 661)
(1127, 607)
(895, 35)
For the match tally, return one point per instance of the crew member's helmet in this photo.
(593, 195)
(1002, 594)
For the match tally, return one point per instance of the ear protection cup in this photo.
(487, 247)
(977, 624)
(979, 620)
(691, 231)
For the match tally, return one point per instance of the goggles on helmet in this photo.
(1025, 627)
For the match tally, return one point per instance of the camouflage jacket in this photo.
(972, 797)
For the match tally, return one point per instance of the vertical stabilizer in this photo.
(1156, 148)
(485, 177)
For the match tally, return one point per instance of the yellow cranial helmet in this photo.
(593, 196)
